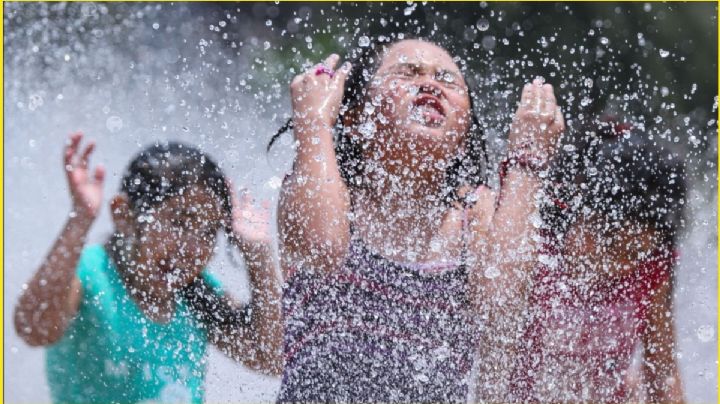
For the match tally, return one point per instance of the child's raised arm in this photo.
(314, 202)
(257, 345)
(52, 296)
(509, 251)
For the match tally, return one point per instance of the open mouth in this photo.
(428, 110)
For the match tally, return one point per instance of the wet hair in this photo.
(165, 170)
(469, 169)
(614, 170)
(162, 171)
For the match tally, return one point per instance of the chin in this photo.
(428, 138)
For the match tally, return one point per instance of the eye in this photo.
(447, 78)
(404, 71)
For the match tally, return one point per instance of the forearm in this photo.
(511, 248)
(51, 298)
(514, 227)
(314, 200)
(502, 279)
(266, 309)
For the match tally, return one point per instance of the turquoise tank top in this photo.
(112, 353)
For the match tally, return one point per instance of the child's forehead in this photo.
(417, 52)
(195, 198)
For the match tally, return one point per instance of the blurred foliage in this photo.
(654, 64)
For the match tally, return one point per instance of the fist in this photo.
(317, 94)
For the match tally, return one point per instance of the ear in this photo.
(122, 216)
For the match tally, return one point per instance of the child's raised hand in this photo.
(250, 224)
(317, 93)
(538, 122)
(86, 190)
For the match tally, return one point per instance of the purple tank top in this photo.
(377, 331)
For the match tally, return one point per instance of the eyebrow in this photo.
(437, 69)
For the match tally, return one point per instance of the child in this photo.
(378, 236)
(129, 321)
(610, 299)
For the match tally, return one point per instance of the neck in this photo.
(399, 218)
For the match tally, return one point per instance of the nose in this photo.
(428, 86)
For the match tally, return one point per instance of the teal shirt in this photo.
(112, 353)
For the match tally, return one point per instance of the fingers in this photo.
(332, 61)
(532, 98)
(99, 174)
(559, 119)
(539, 99)
(548, 103)
(528, 95)
(85, 157)
(309, 76)
(71, 148)
(342, 73)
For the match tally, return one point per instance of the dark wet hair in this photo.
(469, 169)
(618, 171)
(165, 170)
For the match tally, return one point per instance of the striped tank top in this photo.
(377, 331)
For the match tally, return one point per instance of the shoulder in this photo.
(212, 281)
(93, 269)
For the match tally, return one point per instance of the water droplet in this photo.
(36, 101)
(491, 272)
(421, 377)
(364, 41)
(156, 26)
(409, 9)
(705, 333)
(114, 123)
(664, 53)
(274, 182)
(482, 24)
(489, 42)
(367, 129)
